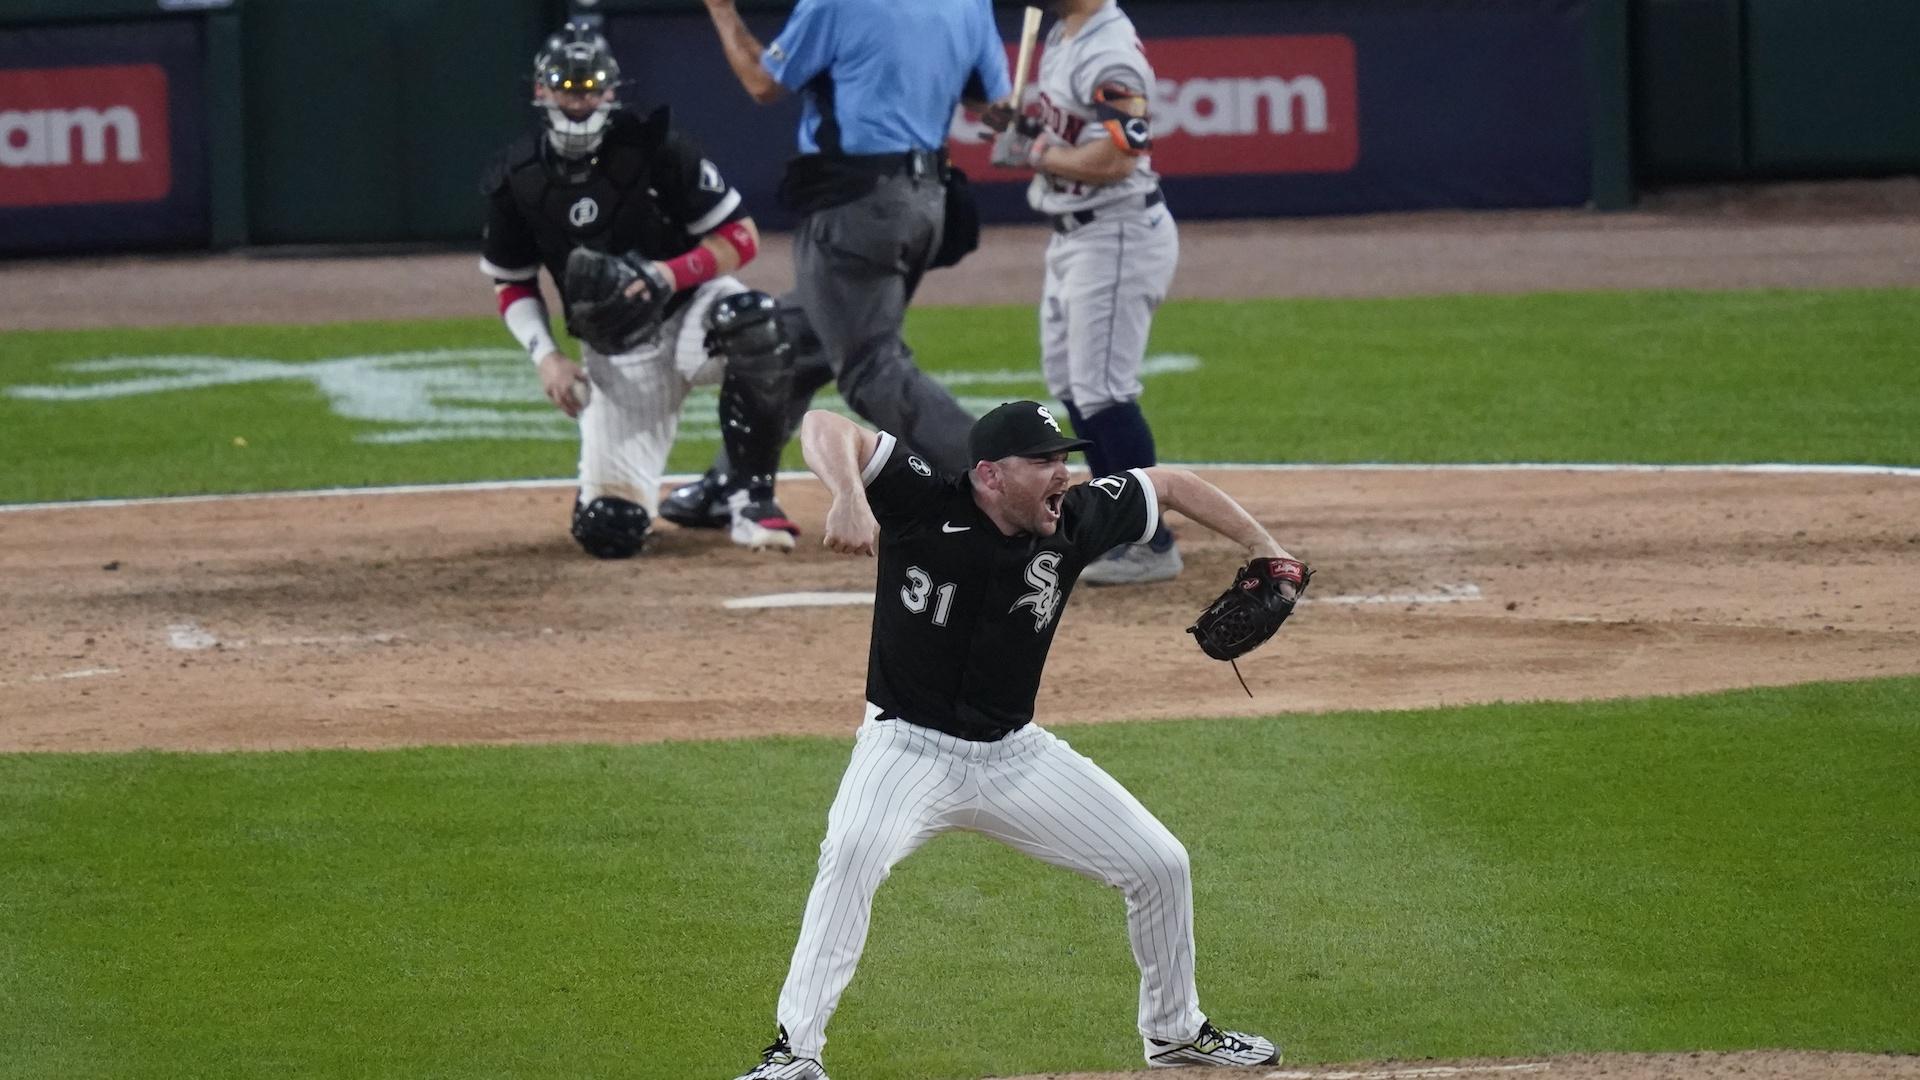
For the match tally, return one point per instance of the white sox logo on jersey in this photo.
(583, 213)
(1112, 485)
(1043, 573)
(919, 466)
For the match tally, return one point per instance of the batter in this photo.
(973, 573)
(1086, 132)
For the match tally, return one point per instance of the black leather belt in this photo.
(912, 163)
(1066, 223)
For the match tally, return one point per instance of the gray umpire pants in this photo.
(855, 270)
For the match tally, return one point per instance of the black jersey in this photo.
(647, 190)
(963, 614)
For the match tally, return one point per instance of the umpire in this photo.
(880, 80)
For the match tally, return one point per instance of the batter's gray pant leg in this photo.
(855, 268)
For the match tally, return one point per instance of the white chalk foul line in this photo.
(799, 599)
(191, 637)
(82, 673)
(1778, 469)
(188, 637)
(1442, 594)
(1409, 1074)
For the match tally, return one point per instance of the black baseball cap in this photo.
(1019, 429)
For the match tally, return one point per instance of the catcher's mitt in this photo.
(1247, 614)
(599, 311)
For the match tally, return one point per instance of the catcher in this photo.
(638, 231)
(973, 571)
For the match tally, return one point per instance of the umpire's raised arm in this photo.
(837, 450)
(743, 53)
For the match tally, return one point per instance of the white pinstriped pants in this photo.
(628, 426)
(1031, 791)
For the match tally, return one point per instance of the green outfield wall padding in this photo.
(1689, 102)
(1609, 99)
(1833, 87)
(369, 120)
(226, 130)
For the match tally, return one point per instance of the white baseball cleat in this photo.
(1213, 1047)
(759, 524)
(777, 1062)
(1134, 564)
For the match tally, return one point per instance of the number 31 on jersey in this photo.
(919, 587)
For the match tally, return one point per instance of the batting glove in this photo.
(1019, 147)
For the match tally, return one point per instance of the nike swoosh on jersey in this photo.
(950, 527)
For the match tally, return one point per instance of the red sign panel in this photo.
(84, 135)
(1281, 103)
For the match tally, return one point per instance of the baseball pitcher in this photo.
(973, 572)
(638, 232)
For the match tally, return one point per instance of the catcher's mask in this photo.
(574, 78)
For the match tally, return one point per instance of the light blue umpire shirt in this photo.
(890, 71)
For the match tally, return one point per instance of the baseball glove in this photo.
(1247, 614)
(599, 310)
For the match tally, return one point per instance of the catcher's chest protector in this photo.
(611, 210)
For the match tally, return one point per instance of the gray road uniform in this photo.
(1114, 248)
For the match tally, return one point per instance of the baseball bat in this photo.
(1023, 60)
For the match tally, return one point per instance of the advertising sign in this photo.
(1258, 109)
(76, 136)
(100, 137)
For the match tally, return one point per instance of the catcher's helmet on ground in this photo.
(611, 528)
(575, 76)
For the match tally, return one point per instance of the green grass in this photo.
(1804, 376)
(1726, 871)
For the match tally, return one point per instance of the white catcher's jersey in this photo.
(1105, 59)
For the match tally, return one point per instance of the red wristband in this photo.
(516, 292)
(737, 235)
(693, 267)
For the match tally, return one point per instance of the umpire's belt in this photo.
(1066, 223)
(914, 163)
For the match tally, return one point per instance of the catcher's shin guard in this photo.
(746, 330)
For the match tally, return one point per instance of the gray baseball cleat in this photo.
(777, 1062)
(1213, 1047)
(1134, 564)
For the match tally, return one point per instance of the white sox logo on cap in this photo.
(583, 213)
(1047, 415)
